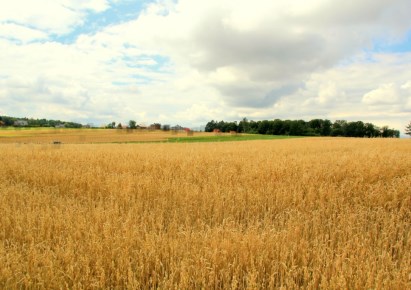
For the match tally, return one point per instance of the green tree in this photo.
(355, 129)
(326, 128)
(132, 124)
(263, 127)
(385, 131)
(270, 130)
(298, 128)
(252, 127)
(370, 130)
(316, 125)
(277, 127)
(285, 129)
(111, 125)
(339, 128)
(8, 121)
(243, 126)
(211, 126)
(231, 126)
(222, 126)
(408, 129)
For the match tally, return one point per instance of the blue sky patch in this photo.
(120, 12)
(397, 47)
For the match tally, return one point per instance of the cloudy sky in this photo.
(189, 61)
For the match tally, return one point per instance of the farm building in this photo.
(21, 123)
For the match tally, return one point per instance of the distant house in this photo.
(155, 126)
(60, 126)
(177, 128)
(21, 123)
(189, 131)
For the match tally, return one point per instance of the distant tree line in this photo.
(408, 129)
(155, 126)
(315, 127)
(30, 122)
(133, 125)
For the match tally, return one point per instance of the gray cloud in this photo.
(286, 47)
(253, 96)
(225, 59)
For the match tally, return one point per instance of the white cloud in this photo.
(52, 17)
(220, 59)
(24, 34)
(325, 93)
(385, 94)
(263, 46)
(93, 5)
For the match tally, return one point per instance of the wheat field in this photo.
(312, 213)
(86, 136)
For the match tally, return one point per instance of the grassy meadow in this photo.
(329, 213)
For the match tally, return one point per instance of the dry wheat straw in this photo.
(301, 213)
